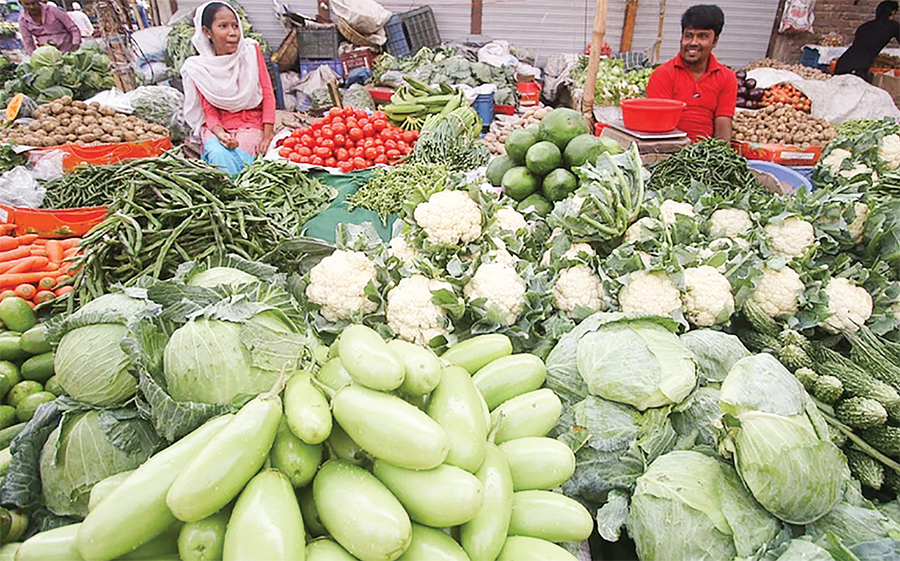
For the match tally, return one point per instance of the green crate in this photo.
(318, 42)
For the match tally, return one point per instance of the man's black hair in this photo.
(886, 9)
(704, 16)
(209, 13)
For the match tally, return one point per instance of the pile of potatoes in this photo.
(65, 121)
(502, 126)
(805, 72)
(781, 124)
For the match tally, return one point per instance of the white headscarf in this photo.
(228, 82)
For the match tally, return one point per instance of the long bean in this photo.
(711, 162)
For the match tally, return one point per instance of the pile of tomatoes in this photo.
(349, 139)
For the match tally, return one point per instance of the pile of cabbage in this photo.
(143, 367)
(700, 449)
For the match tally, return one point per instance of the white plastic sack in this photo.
(768, 77)
(846, 97)
(114, 99)
(19, 188)
(150, 43)
(316, 80)
(48, 166)
(365, 16)
(496, 53)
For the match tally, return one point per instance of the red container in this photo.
(650, 114)
(50, 223)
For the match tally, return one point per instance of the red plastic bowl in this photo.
(651, 114)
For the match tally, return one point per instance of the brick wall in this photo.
(842, 16)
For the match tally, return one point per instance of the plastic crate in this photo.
(318, 42)
(396, 44)
(421, 28)
(360, 58)
(307, 66)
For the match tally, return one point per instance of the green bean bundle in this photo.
(711, 162)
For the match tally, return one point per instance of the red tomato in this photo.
(342, 154)
(339, 128)
(360, 163)
(380, 159)
(379, 141)
(318, 141)
(402, 145)
(360, 114)
(304, 150)
(409, 136)
(368, 143)
(294, 157)
(328, 143)
(331, 162)
(358, 152)
(336, 120)
(379, 124)
(285, 152)
(406, 150)
(371, 153)
(368, 129)
(304, 159)
(392, 154)
(317, 124)
(306, 140)
(346, 166)
(379, 115)
(355, 133)
(289, 142)
(380, 149)
(390, 144)
(317, 161)
(351, 122)
(339, 139)
(317, 133)
(322, 152)
(327, 132)
(348, 111)
(335, 112)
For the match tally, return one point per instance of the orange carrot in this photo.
(49, 267)
(54, 251)
(69, 243)
(26, 239)
(63, 290)
(43, 296)
(47, 283)
(33, 263)
(17, 253)
(37, 250)
(40, 241)
(70, 252)
(25, 291)
(7, 228)
(7, 243)
(7, 294)
(22, 278)
(5, 266)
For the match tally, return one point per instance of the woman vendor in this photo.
(228, 97)
(868, 41)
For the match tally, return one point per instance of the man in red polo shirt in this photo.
(695, 77)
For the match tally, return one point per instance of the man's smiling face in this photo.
(697, 45)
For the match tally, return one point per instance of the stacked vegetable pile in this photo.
(782, 124)
(348, 139)
(34, 268)
(50, 74)
(805, 72)
(781, 95)
(68, 121)
(412, 102)
(749, 96)
(613, 83)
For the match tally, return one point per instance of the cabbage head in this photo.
(79, 454)
(216, 276)
(793, 473)
(779, 441)
(92, 367)
(47, 56)
(691, 506)
(714, 352)
(215, 361)
(639, 363)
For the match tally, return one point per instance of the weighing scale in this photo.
(653, 146)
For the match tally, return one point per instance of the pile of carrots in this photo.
(34, 268)
(786, 94)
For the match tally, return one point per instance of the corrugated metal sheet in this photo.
(548, 27)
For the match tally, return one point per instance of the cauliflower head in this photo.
(449, 217)
(777, 291)
(338, 283)
(729, 222)
(500, 285)
(399, 248)
(509, 220)
(858, 169)
(858, 226)
(707, 297)
(411, 313)
(835, 159)
(633, 233)
(792, 238)
(890, 151)
(578, 286)
(650, 293)
(849, 305)
(669, 209)
(571, 254)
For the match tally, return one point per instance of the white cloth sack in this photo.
(365, 16)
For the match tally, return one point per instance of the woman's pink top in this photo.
(263, 114)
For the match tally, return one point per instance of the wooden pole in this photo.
(477, 11)
(324, 15)
(590, 84)
(631, 7)
(659, 29)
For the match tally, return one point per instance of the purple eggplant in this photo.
(740, 75)
(742, 91)
(756, 94)
(740, 102)
(750, 83)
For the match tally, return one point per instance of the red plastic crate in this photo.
(49, 223)
(360, 58)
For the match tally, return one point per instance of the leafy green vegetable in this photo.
(47, 56)
(388, 189)
(715, 352)
(53, 75)
(613, 83)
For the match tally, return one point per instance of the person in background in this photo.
(228, 96)
(695, 77)
(82, 20)
(13, 11)
(868, 40)
(42, 24)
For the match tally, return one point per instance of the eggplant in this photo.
(742, 91)
(756, 94)
(740, 102)
(750, 83)
(741, 75)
